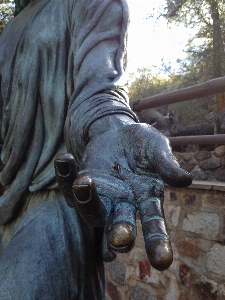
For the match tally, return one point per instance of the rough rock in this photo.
(187, 156)
(204, 223)
(219, 174)
(195, 172)
(113, 292)
(172, 214)
(117, 270)
(219, 151)
(184, 274)
(188, 166)
(211, 163)
(188, 247)
(139, 293)
(216, 259)
(190, 199)
(202, 155)
(144, 270)
(178, 155)
(173, 291)
(173, 196)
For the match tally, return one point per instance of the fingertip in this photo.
(160, 254)
(65, 171)
(178, 178)
(82, 187)
(64, 163)
(121, 233)
(94, 209)
(171, 173)
(185, 179)
(121, 237)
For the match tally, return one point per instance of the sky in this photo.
(149, 40)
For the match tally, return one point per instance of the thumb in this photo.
(170, 171)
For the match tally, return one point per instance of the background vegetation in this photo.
(205, 59)
(6, 12)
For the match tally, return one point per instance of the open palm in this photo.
(123, 171)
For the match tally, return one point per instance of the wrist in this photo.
(109, 122)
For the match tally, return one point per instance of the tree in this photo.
(146, 82)
(208, 17)
(205, 50)
(6, 12)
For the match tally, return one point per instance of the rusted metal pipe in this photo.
(207, 88)
(218, 139)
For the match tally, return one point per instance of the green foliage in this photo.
(205, 50)
(196, 111)
(146, 83)
(6, 12)
(205, 57)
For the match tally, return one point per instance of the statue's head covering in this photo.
(20, 5)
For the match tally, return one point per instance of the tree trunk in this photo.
(217, 48)
(216, 39)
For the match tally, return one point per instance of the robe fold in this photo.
(61, 69)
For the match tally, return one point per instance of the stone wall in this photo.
(204, 165)
(196, 223)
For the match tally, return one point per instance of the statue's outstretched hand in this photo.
(123, 171)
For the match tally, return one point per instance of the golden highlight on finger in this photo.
(122, 228)
(160, 253)
(157, 243)
(91, 208)
(121, 237)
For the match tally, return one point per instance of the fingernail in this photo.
(63, 164)
(82, 188)
(82, 192)
(91, 208)
(63, 168)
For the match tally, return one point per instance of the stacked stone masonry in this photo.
(196, 223)
(204, 165)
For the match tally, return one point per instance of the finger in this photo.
(65, 169)
(166, 164)
(157, 243)
(171, 173)
(122, 230)
(153, 153)
(93, 208)
(108, 254)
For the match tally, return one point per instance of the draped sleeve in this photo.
(97, 62)
(62, 69)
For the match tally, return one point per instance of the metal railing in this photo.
(207, 88)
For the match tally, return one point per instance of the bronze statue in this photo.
(61, 76)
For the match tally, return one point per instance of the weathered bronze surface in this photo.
(126, 176)
(121, 237)
(62, 91)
